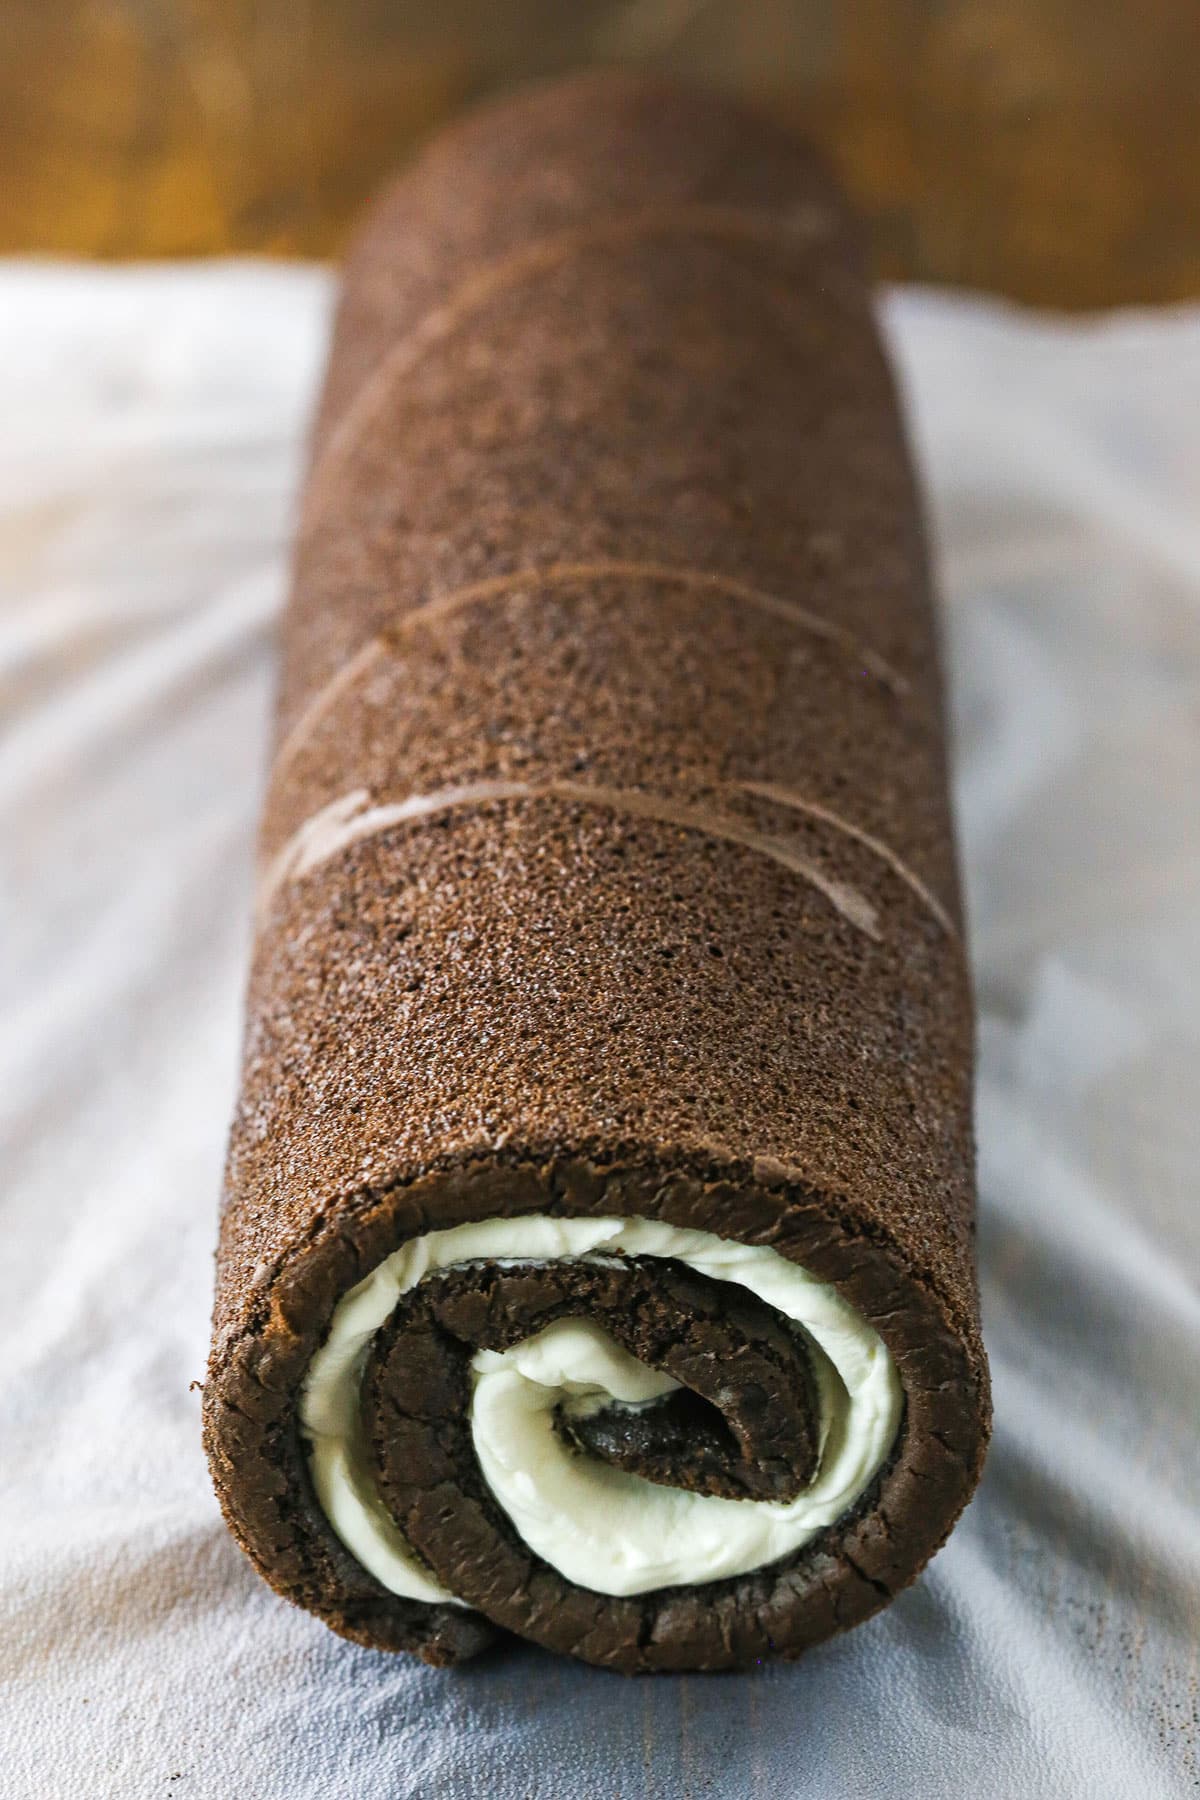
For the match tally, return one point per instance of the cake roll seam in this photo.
(798, 230)
(697, 580)
(784, 796)
(355, 817)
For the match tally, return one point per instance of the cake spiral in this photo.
(575, 1324)
(597, 1258)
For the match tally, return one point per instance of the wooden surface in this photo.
(1049, 149)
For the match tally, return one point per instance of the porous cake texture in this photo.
(606, 871)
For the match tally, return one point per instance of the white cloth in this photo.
(149, 439)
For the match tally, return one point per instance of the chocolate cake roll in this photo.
(596, 1262)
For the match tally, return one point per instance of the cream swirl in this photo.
(601, 1527)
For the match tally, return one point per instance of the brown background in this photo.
(1046, 148)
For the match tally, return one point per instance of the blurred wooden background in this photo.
(1049, 149)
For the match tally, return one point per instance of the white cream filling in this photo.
(599, 1526)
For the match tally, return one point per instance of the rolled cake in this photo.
(596, 1262)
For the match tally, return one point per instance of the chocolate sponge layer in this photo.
(606, 863)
